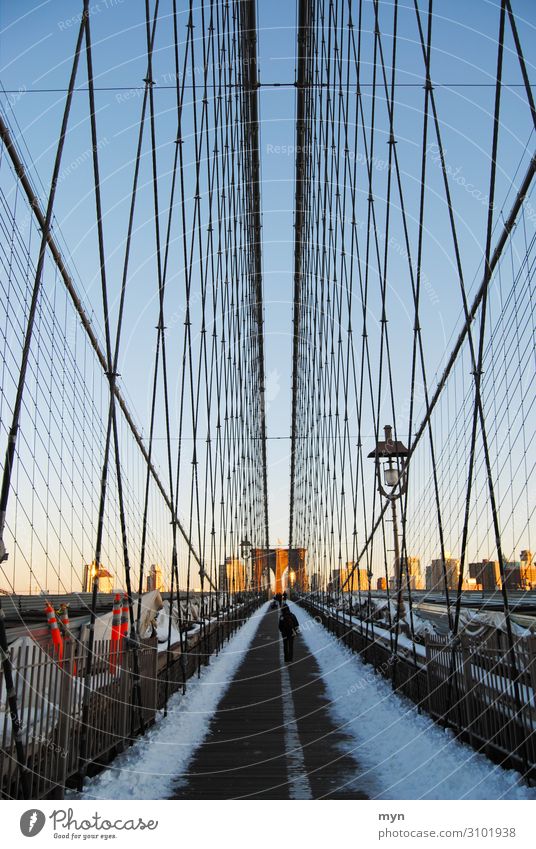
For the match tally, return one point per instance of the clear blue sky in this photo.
(36, 44)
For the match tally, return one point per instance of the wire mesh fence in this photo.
(51, 693)
(466, 684)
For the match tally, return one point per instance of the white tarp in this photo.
(151, 603)
(476, 623)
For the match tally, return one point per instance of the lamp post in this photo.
(394, 486)
(245, 551)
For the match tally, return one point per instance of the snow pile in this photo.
(399, 753)
(422, 627)
(150, 768)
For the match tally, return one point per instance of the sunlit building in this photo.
(512, 575)
(486, 574)
(154, 578)
(350, 579)
(528, 570)
(106, 581)
(412, 574)
(233, 577)
(435, 574)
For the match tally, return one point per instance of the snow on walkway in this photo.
(150, 768)
(400, 753)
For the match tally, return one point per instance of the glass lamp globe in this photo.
(391, 476)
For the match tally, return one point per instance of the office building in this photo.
(106, 581)
(154, 578)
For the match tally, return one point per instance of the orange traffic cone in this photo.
(115, 641)
(124, 617)
(54, 630)
(63, 613)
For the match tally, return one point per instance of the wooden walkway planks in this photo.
(246, 753)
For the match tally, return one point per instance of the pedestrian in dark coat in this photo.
(288, 625)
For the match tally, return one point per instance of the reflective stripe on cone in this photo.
(124, 617)
(54, 630)
(64, 619)
(115, 641)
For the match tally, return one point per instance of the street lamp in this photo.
(396, 480)
(245, 551)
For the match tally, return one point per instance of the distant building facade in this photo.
(521, 574)
(486, 574)
(106, 581)
(411, 573)
(154, 578)
(350, 579)
(435, 574)
(528, 570)
(233, 578)
(512, 575)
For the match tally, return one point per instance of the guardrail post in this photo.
(65, 717)
(469, 683)
(124, 692)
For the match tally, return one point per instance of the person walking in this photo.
(288, 625)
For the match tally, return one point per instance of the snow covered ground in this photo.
(400, 753)
(150, 768)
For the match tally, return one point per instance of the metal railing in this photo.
(466, 684)
(50, 694)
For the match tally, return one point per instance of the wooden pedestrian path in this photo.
(272, 736)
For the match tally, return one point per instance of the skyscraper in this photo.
(154, 578)
(435, 574)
